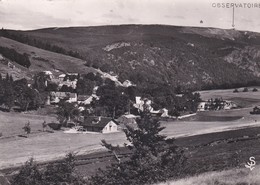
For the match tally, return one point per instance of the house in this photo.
(128, 83)
(229, 105)
(55, 97)
(100, 124)
(69, 80)
(140, 102)
(202, 106)
(71, 77)
(88, 99)
(214, 105)
(160, 113)
(61, 77)
(82, 99)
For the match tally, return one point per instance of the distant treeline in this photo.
(13, 55)
(37, 43)
(231, 85)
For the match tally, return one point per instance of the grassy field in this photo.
(227, 177)
(11, 124)
(243, 99)
(213, 144)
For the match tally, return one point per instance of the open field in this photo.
(230, 177)
(11, 124)
(243, 99)
(207, 152)
(215, 140)
(50, 146)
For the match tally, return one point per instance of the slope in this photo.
(156, 54)
(41, 60)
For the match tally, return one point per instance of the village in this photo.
(85, 122)
(67, 84)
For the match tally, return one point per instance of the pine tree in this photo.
(154, 157)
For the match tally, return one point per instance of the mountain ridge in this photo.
(161, 54)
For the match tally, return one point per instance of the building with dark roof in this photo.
(100, 124)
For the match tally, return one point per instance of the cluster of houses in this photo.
(94, 123)
(216, 105)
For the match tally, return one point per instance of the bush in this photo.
(255, 90)
(235, 91)
(245, 89)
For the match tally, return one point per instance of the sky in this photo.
(36, 14)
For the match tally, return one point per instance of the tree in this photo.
(66, 112)
(245, 89)
(28, 174)
(113, 98)
(63, 172)
(85, 86)
(154, 157)
(57, 173)
(255, 90)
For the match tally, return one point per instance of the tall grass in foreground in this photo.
(241, 176)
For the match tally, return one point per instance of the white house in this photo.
(201, 106)
(55, 97)
(61, 77)
(100, 124)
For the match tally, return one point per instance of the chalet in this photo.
(55, 97)
(100, 124)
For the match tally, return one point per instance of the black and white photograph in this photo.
(129, 92)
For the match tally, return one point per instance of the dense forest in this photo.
(13, 55)
(37, 43)
(18, 96)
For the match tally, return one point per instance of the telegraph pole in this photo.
(233, 17)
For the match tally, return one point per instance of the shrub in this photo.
(235, 91)
(245, 89)
(255, 90)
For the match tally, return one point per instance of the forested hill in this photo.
(156, 54)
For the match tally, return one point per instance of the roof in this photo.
(129, 116)
(72, 76)
(83, 97)
(98, 122)
(63, 94)
(62, 76)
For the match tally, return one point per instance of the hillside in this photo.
(40, 59)
(179, 56)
